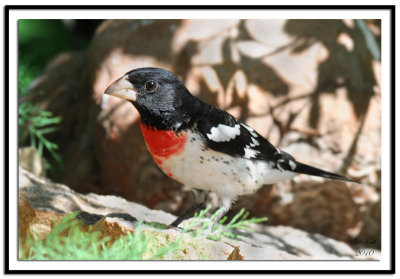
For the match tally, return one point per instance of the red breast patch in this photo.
(163, 143)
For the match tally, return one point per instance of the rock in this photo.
(273, 241)
(31, 220)
(30, 159)
(66, 93)
(370, 233)
(25, 216)
(319, 208)
(42, 204)
(61, 199)
(313, 93)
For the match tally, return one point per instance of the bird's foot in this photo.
(210, 232)
(171, 226)
(207, 231)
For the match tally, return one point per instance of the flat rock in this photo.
(41, 201)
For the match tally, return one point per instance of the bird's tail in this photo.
(306, 169)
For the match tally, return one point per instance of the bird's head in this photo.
(157, 94)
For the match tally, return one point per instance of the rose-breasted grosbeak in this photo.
(202, 146)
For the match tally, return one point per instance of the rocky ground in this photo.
(312, 87)
(42, 201)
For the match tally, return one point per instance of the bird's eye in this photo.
(151, 85)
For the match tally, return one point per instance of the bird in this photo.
(202, 146)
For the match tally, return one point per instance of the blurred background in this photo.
(312, 87)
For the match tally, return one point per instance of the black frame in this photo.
(7, 9)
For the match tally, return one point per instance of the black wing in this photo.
(224, 133)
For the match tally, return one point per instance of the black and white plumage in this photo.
(202, 146)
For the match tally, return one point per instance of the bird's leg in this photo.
(201, 197)
(225, 205)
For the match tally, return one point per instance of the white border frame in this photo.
(383, 264)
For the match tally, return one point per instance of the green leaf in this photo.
(38, 123)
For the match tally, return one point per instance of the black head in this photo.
(160, 97)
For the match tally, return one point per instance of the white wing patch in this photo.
(250, 153)
(251, 130)
(255, 142)
(279, 166)
(292, 164)
(223, 133)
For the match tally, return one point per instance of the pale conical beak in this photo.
(123, 89)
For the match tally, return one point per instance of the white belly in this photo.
(201, 168)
